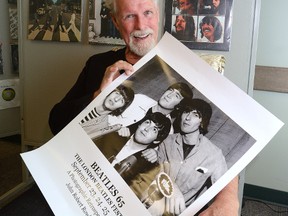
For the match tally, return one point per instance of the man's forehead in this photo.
(193, 110)
(150, 121)
(177, 91)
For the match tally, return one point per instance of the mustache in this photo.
(140, 33)
(206, 28)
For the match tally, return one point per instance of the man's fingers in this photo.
(150, 155)
(121, 66)
(114, 71)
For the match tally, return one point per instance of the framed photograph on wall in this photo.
(101, 29)
(55, 20)
(200, 24)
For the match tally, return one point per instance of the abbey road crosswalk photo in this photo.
(55, 20)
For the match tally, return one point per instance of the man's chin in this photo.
(140, 52)
(142, 48)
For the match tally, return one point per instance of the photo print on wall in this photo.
(200, 24)
(55, 20)
(101, 29)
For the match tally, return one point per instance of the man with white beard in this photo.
(137, 21)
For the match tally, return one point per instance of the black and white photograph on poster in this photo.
(200, 24)
(55, 20)
(159, 113)
(1, 59)
(127, 152)
(101, 28)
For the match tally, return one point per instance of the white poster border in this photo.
(43, 163)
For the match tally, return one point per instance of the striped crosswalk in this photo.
(49, 35)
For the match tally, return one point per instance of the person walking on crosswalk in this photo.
(72, 22)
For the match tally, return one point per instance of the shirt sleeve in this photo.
(81, 93)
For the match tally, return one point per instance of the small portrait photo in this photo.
(188, 7)
(91, 31)
(184, 27)
(214, 7)
(210, 29)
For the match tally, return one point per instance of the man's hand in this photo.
(112, 72)
(226, 203)
(124, 132)
(176, 204)
(150, 155)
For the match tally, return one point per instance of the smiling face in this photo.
(146, 132)
(114, 101)
(208, 31)
(170, 99)
(137, 22)
(190, 121)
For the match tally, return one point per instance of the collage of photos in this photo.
(55, 20)
(172, 129)
(200, 24)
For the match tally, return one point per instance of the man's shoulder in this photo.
(118, 52)
(210, 146)
(176, 137)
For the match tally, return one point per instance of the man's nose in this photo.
(140, 22)
(118, 98)
(188, 116)
(148, 128)
(171, 94)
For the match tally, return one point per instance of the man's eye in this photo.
(130, 16)
(155, 130)
(196, 114)
(147, 13)
(147, 122)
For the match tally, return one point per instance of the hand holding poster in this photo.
(134, 161)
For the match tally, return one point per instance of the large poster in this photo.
(100, 163)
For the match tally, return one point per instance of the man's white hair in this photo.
(111, 5)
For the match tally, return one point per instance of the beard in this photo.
(141, 48)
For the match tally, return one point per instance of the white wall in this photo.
(269, 168)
